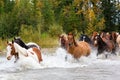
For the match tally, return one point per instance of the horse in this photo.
(118, 40)
(14, 49)
(114, 36)
(94, 34)
(85, 38)
(77, 49)
(63, 40)
(26, 46)
(104, 44)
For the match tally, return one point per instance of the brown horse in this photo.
(94, 34)
(63, 40)
(114, 36)
(118, 40)
(77, 49)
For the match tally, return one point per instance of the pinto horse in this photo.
(14, 49)
(85, 38)
(77, 49)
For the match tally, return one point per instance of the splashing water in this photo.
(54, 60)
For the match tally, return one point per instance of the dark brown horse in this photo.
(104, 43)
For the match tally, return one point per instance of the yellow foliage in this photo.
(76, 2)
(79, 11)
(39, 4)
(91, 15)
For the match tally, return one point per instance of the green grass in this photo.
(48, 42)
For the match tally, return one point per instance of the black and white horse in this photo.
(85, 38)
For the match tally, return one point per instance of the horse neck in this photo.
(24, 45)
(74, 41)
(20, 49)
(101, 42)
(21, 43)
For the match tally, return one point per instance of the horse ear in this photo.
(14, 38)
(7, 42)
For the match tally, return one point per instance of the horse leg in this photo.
(106, 56)
(16, 57)
(66, 58)
(113, 51)
(77, 60)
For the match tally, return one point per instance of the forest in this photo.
(44, 20)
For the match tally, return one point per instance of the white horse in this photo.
(13, 49)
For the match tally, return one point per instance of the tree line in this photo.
(56, 16)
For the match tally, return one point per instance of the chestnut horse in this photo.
(77, 49)
(93, 38)
(13, 49)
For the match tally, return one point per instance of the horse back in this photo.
(85, 47)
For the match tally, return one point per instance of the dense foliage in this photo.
(57, 16)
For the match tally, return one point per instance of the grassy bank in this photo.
(43, 42)
(33, 34)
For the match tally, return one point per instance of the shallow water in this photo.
(54, 67)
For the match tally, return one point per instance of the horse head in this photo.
(98, 41)
(11, 51)
(63, 40)
(71, 40)
(94, 35)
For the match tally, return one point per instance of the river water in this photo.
(54, 67)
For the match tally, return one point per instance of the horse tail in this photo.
(38, 53)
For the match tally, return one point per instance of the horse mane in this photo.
(20, 42)
(75, 43)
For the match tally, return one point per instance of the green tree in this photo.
(110, 13)
(47, 15)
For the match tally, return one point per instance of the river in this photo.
(54, 67)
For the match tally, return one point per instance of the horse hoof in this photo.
(65, 58)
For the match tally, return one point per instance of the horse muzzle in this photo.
(9, 58)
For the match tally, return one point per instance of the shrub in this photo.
(55, 30)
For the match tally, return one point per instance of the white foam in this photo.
(57, 59)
